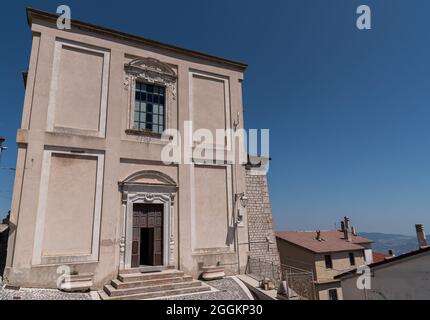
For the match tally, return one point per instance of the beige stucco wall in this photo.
(295, 256)
(78, 102)
(212, 211)
(66, 114)
(341, 264)
(71, 178)
(208, 94)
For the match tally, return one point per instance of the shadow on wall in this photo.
(4, 235)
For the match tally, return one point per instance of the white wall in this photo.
(407, 279)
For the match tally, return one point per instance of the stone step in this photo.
(144, 270)
(157, 294)
(117, 284)
(112, 292)
(135, 277)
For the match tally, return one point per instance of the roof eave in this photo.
(32, 13)
(386, 261)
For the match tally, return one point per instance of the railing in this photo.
(297, 283)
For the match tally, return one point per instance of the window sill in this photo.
(143, 133)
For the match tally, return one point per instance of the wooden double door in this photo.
(147, 247)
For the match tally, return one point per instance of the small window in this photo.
(352, 259)
(332, 294)
(328, 262)
(149, 111)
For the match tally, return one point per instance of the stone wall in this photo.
(262, 238)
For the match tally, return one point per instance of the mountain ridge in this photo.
(384, 242)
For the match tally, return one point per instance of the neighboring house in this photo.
(91, 189)
(326, 254)
(4, 232)
(405, 277)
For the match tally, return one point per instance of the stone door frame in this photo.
(147, 194)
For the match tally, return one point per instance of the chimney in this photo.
(347, 230)
(319, 238)
(347, 223)
(342, 226)
(391, 254)
(421, 236)
(354, 232)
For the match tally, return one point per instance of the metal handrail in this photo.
(298, 282)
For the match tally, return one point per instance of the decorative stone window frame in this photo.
(155, 72)
(38, 258)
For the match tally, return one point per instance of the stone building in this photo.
(325, 253)
(91, 190)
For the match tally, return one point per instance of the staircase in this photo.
(135, 285)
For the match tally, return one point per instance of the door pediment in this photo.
(149, 178)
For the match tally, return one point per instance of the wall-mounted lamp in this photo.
(1, 146)
(243, 199)
(241, 210)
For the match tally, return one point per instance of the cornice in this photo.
(46, 16)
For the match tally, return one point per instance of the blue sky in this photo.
(348, 110)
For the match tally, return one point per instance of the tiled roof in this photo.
(378, 257)
(332, 241)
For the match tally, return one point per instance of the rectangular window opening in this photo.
(333, 294)
(352, 259)
(149, 111)
(328, 262)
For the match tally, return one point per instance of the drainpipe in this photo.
(236, 228)
(236, 124)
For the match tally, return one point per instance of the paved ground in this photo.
(228, 288)
(39, 294)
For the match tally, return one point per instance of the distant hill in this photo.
(399, 243)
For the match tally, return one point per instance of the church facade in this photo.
(92, 191)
